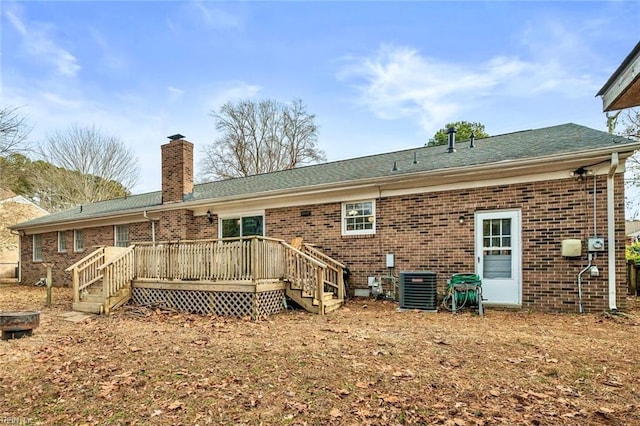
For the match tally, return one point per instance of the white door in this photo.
(498, 254)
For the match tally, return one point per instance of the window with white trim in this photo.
(62, 241)
(241, 226)
(359, 217)
(78, 242)
(121, 235)
(37, 247)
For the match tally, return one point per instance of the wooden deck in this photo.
(251, 276)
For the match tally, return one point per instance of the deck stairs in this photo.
(102, 280)
(301, 287)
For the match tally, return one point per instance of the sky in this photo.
(379, 76)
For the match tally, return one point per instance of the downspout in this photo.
(19, 234)
(611, 231)
(153, 227)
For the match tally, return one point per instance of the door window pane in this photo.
(497, 256)
(230, 228)
(242, 226)
(252, 225)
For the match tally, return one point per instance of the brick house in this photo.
(499, 207)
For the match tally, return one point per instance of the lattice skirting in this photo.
(224, 303)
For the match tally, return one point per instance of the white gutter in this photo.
(153, 227)
(611, 234)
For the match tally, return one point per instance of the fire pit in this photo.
(15, 325)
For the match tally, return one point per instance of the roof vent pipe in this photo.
(472, 140)
(451, 131)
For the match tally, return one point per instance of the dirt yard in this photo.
(365, 364)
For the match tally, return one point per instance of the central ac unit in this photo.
(419, 290)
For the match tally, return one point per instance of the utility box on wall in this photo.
(571, 248)
(595, 244)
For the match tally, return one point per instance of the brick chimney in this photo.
(177, 169)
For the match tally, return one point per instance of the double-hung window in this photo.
(359, 217)
(62, 241)
(121, 235)
(37, 247)
(78, 243)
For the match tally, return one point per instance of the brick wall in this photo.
(177, 170)
(423, 232)
(92, 238)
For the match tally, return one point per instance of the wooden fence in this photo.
(633, 278)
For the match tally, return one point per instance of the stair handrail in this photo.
(337, 267)
(324, 257)
(117, 274)
(84, 259)
(88, 278)
(320, 274)
(115, 259)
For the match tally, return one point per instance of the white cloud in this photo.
(399, 82)
(109, 58)
(215, 17)
(39, 43)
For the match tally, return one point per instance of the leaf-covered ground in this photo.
(365, 364)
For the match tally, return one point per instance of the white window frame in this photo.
(62, 241)
(345, 215)
(239, 217)
(37, 248)
(76, 233)
(116, 241)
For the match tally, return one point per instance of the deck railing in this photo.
(86, 271)
(237, 259)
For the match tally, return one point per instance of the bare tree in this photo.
(86, 166)
(629, 120)
(261, 137)
(13, 131)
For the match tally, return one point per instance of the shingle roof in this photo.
(528, 144)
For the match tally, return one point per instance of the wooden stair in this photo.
(94, 302)
(102, 280)
(310, 303)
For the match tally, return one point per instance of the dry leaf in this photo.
(335, 413)
(176, 405)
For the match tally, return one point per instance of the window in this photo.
(37, 247)
(359, 218)
(62, 241)
(121, 234)
(242, 226)
(78, 244)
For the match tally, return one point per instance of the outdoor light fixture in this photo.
(210, 216)
(461, 219)
(581, 173)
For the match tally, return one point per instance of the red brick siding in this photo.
(177, 170)
(92, 238)
(423, 233)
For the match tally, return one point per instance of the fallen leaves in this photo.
(370, 366)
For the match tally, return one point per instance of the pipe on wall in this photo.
(153, 227)
(611, 231)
